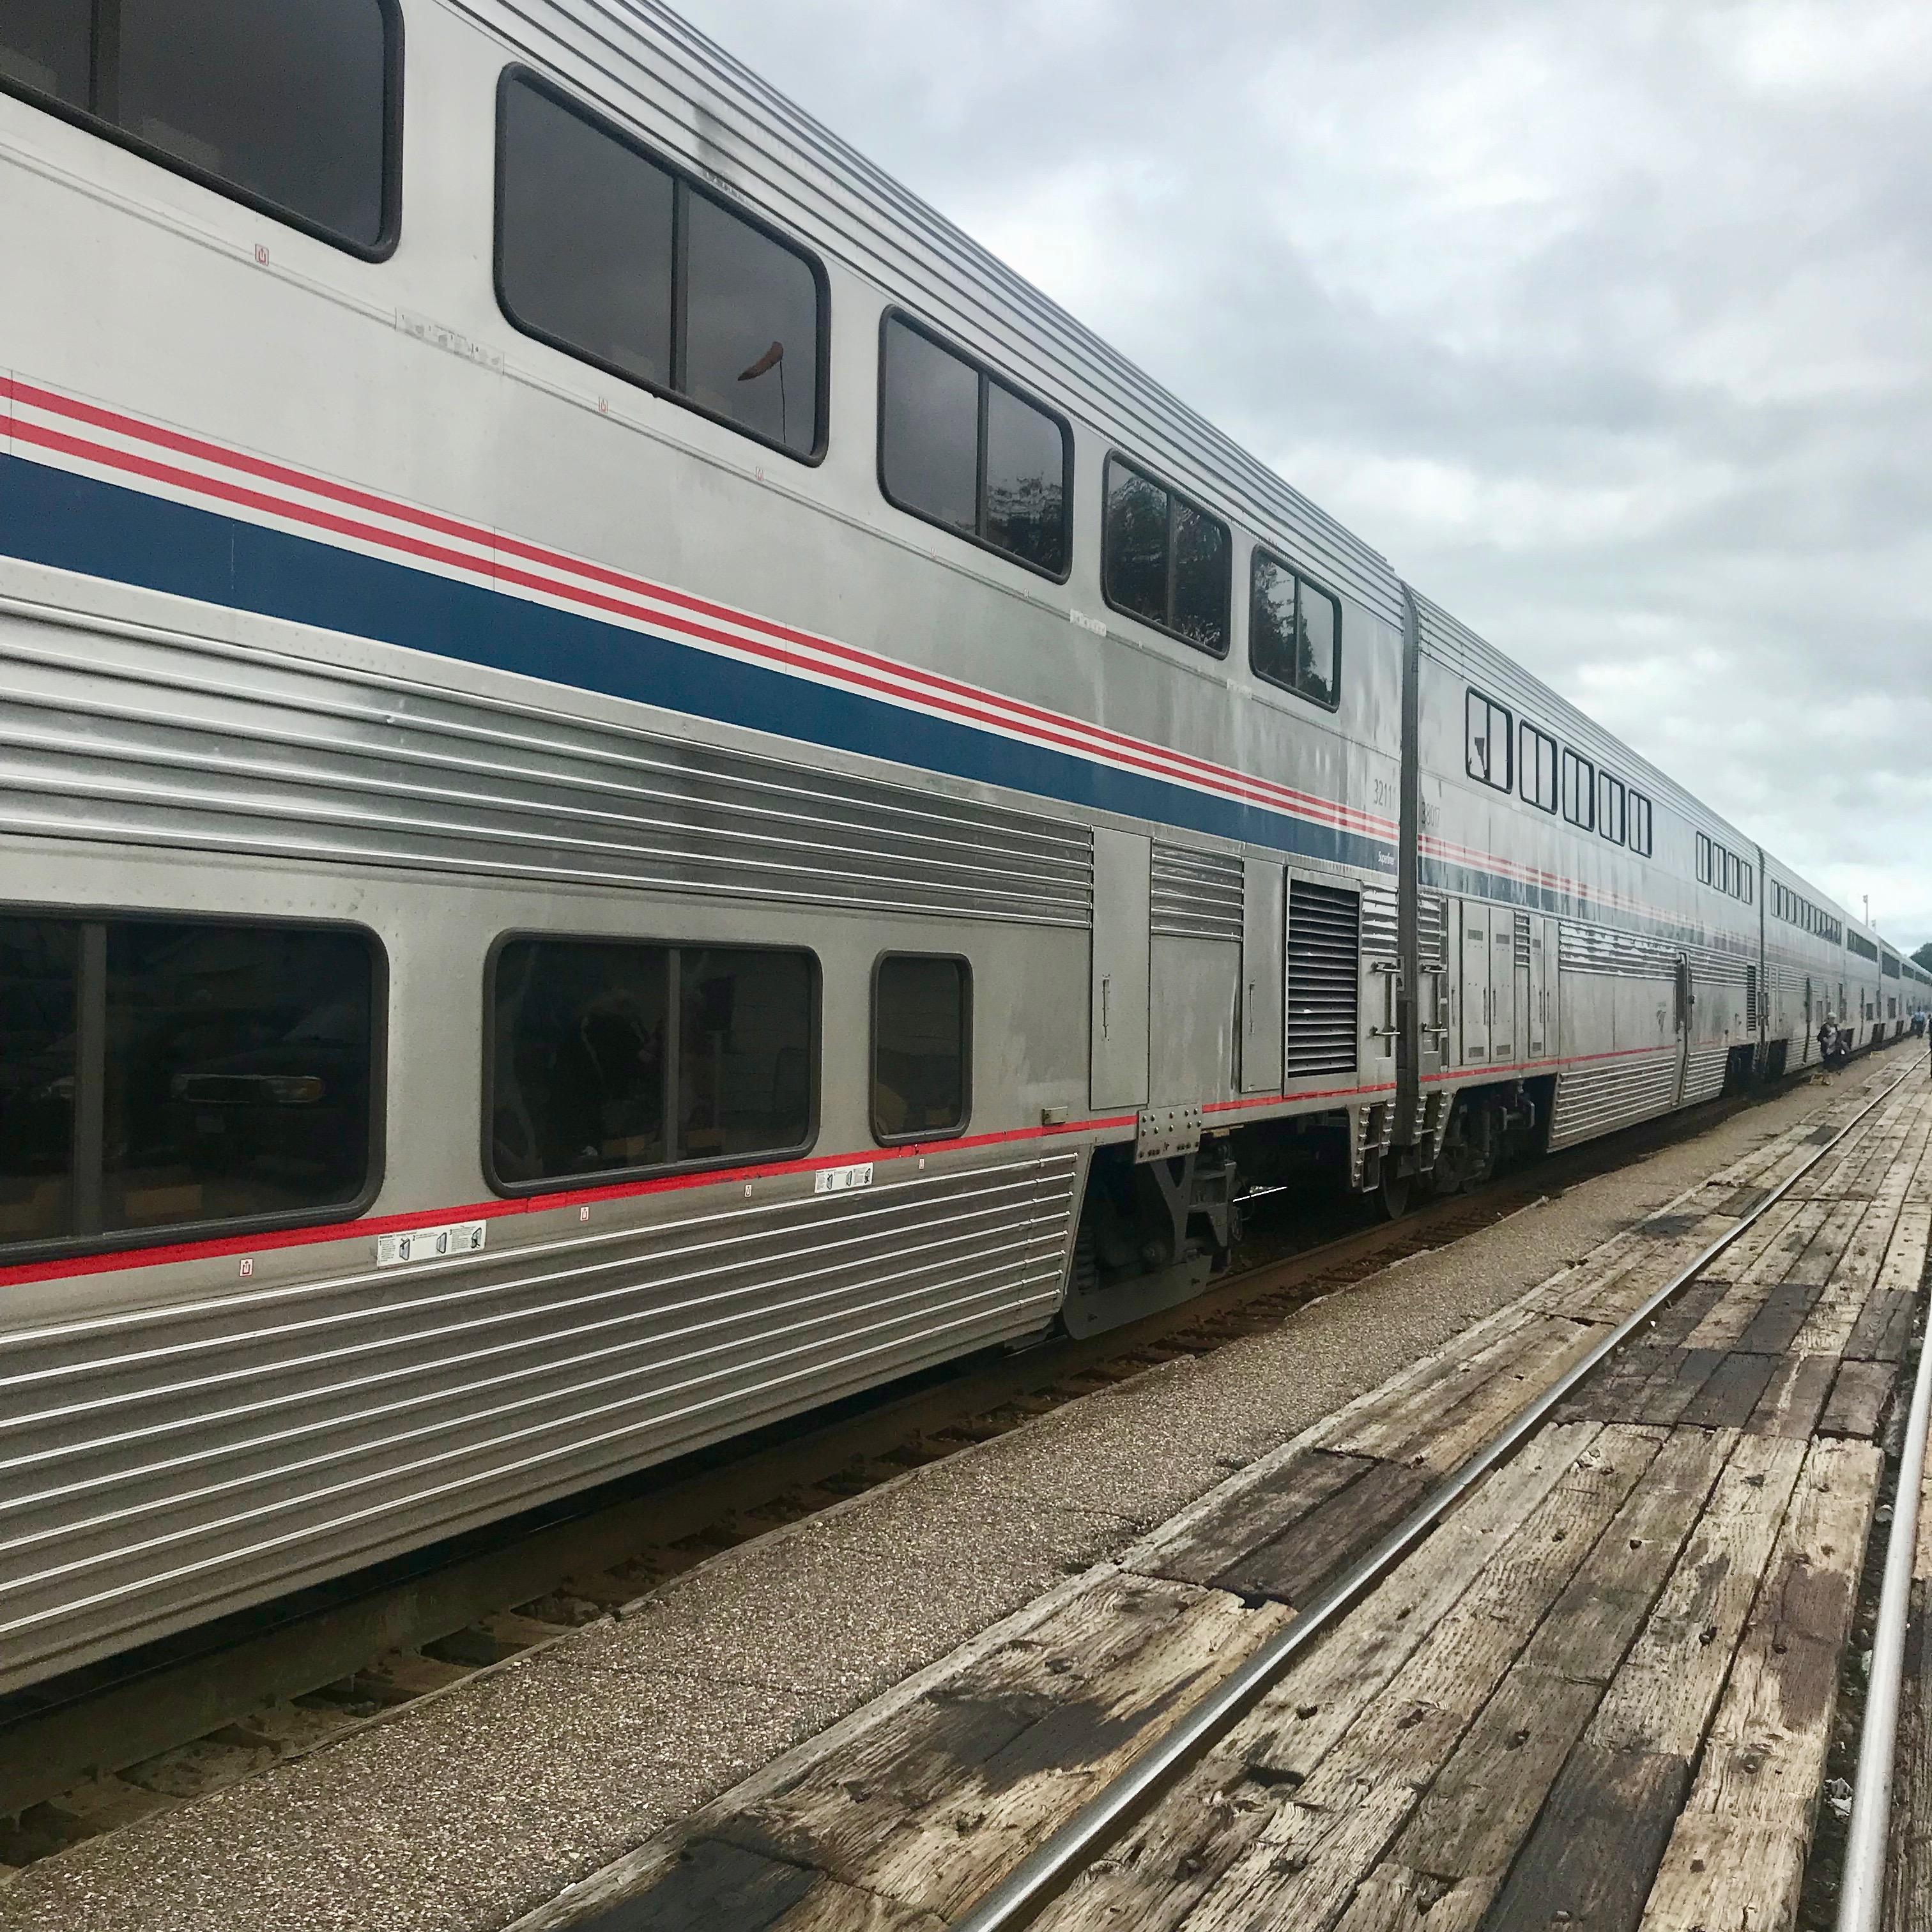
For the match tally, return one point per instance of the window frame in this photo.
(1542, 737)
(1588, 790)
(1609, 784)
(1174, 496)
(686, 180)
(1633, 798)
(988, 375)
(174, 1234)
(617, 1177)
(927, 1137)
(388, 236)
(1472, 695)
(1259, 554)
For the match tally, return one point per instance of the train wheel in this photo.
(1393, 1193)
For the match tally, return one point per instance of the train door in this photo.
(1505, 1005)
(1539, 984)
(1117, 1027)
(1804, 1046)
(1473, 1002)
(1686, 1007)
(1263, 975)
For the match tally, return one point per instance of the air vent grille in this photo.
(1324, 969)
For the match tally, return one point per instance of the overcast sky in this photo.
(1610, 324)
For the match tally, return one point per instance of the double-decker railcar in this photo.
(639, 790)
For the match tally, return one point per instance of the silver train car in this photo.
(638, 790)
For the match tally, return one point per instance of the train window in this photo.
(1610, 797)
(958, 447)
(608, 1057)
(1579, 790)
(1744, 879)
(1164, 560)
(291, 105)
(1537, 767)
(1295, 632)
(40, 979)
(612, 255)
(1639, 824)
(921, 1045)
(1703, 860)
(165, 1074)
(1730, 880)
(1487, 727)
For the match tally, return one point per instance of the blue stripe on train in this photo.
(77, 523)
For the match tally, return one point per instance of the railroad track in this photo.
(224, 1702)
(1085, 1839)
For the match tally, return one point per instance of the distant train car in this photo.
(639, 791)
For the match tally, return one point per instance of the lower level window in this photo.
(922, 1039)
(608, 1058)
(160, 1074)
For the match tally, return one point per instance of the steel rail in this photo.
(1861, 1879)
(1040, 1878)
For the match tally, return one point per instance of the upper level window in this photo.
(1164, 560)
(292, 105)
(607, 1057)
(1639, 824)
(922, 1040)
(1295, 632)
(1610, 797)
(609, 254)
(1486, 747)
(1580, 788)
(959, 448)
(163, 1073)
(1537, 765)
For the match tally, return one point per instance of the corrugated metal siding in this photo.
(688, 96)
(170, 741)
(1704, 1072)
(1196, 895)
(174, 1462)
(1613, 1094)
(1625, 955)
(1324, 978)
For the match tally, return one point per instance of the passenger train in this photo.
(638, 790)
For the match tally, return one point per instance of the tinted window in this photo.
(1165, 560)
(1486, 750)
(1580, 780)
(238, 1071)
(39, 985)
(586, 249)
(1135, 561)
(1537, 765)
(287, 101)
(929, 429)
(1026, 481)
(750, 352)
(958, 447)
(230, 1075)
(744, 1052)
(1295, 632)
(920, 1045)
(605, 252)
(47, 45)
(596, 1069)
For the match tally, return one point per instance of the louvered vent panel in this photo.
(1431, 930)
(1379, 940)
(1323, 966)
(1523, 939)
(1196, 895)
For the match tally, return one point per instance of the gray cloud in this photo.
(1605, 322)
